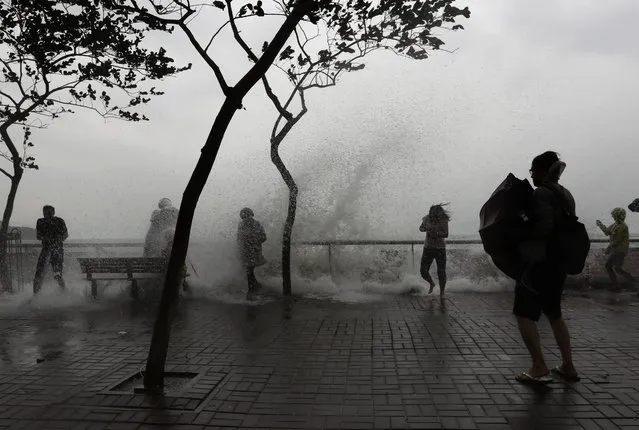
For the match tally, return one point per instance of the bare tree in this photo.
(180, 14)
(325, 51)
(329, 18)
(59, 55)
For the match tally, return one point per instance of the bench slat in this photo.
(124, 265)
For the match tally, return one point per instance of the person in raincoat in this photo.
(250, 237)
(161, 219)
(435, 224)
(618, 246)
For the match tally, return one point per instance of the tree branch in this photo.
(253, 57)
(18, 81)
(288, 103)
(212, 64)
(137, 9)
(6, 173)
(236, 33)
(303, 102)
(277, 138)
(23, 114)
(182, 24)
(208, 45)
(9, 143)
(106, 113)
(276, 101)
(299, 11)
(2, 93)
(302, 45)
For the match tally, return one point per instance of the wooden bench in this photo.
(105, 268)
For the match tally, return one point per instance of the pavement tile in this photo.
(402, 363)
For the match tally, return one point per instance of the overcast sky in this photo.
(376, 151)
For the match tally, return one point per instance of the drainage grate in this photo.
(186, 389)
(175, 383)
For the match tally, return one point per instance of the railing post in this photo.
(330, 261)
(412, 253)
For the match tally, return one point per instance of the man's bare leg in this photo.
(562, 337)
(58, 277)
(530, 335)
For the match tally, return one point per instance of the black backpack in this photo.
(570, 241)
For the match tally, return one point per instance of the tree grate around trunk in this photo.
(186, 388)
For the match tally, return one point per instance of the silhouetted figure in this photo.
(250, 237)
(540, 289)
(169, 236)
(161, 219)
(52, 231)
(435, 224)
(618, 247)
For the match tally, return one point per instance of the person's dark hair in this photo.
(48, 208)
(544, 161)
(437, 211)
(246, 213)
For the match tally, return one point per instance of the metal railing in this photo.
(15, 260)
(330, 244)
(100, 245)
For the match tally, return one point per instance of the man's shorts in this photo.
(539, 291)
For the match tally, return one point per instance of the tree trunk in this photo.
(276, 140)
(5, 280)
(290, 218)
(156, 360)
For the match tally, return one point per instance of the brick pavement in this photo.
(407, 362)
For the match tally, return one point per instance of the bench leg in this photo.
(94, 288)
(134, 289)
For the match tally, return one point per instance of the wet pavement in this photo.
(406, 362)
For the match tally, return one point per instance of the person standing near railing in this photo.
(250, 237)
(618, 247)
(161, 219)
(52, 232)
(435, 224)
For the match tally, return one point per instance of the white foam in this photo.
(357, 274)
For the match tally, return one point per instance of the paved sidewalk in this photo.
(407, 362)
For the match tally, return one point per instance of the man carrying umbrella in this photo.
(540, 289)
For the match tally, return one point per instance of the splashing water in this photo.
(356, 274)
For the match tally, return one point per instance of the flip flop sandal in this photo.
(527, 378)
(570, 377)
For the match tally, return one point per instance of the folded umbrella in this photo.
(502, 223)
